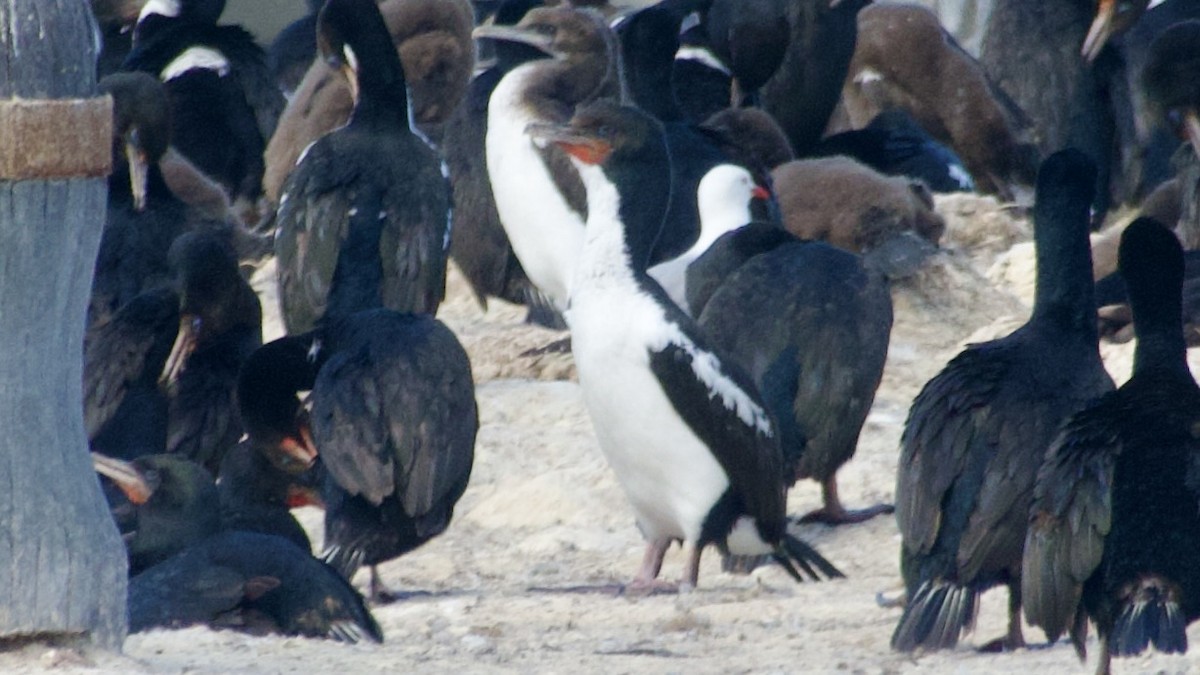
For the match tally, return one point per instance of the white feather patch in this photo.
(205, 58)
(702, 55)
(168, 8)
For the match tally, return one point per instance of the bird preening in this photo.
(799, 265)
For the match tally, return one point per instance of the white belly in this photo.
(546, 235)
(671, 479)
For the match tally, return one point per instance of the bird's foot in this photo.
(562, 346)
(1001, 645)
(839, 516)
(645, 587)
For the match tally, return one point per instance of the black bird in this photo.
(175, 505)
(219, 87)
(393, 403)
(896, 145)
(977, 432)
(293, 50)
(393, 421)
(479, 245)
(752, 38)
(684, 429)
(805, 89)
(257, 496)
(649, 43)
(811, 325)
(538, 196)
(189, 566)
(257, 583)
(374, 168)
(143, 215)
(143, 397)
(1114, 534)
(703, 84)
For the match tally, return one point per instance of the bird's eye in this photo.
(544, 29)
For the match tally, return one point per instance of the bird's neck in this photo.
(358, 275)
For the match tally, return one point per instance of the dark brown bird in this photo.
(811, 325)
(977, 432)
(905, 59)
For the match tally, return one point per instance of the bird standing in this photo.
(683, 429)
(1114, 534)
(977, 432)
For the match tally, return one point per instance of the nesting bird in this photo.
(1114, 535)
(977, 432)
(683, 428)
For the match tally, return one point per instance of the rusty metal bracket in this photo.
(55, 139)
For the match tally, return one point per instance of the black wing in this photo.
(945, 427)
(738, 433)
(133, 346)
(394, 412)
(312, 222)
(1070, 517)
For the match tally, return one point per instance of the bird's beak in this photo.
(185, 344)
(1191, 128)
(301, 496)
(514, 34)
(583, 147)
(128, 478)
(300, 449)
(138, 170)
(760, 192)
(1100, 31)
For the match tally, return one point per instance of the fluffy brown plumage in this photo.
(852, 206)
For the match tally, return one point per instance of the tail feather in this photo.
(935, 617)
(1150, 614)
(793, 552)
(345, 559)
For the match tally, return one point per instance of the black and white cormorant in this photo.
(811, 324)
(1114, 534)
(219, 87)
(373, 169)
(539, 198)
(977, 432)
(684, 430)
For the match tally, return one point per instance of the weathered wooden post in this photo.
(62, 565)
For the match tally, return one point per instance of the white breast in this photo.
(546, 235)
(668, 474)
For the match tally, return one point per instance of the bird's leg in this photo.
(647, 582)
(833, 513)
(1104, 666)
(691, 566)
(1015, 639)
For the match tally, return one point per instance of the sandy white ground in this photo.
(542, 510)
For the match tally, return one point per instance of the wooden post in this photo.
(62, 564)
